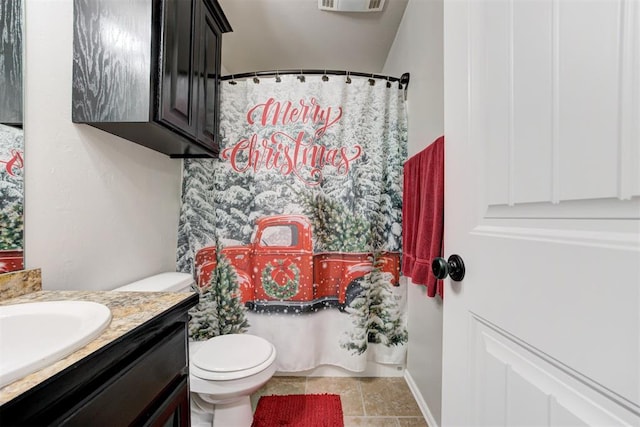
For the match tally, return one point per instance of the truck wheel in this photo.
(353, 291)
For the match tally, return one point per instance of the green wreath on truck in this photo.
(289, 274)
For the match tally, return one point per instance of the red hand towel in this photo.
(423, 215)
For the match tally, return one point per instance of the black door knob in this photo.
(453, 267)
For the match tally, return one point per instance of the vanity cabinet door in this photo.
(174, 411)
(139, 388)
(209, 42)
(177, 106)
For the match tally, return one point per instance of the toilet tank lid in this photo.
(163, 282)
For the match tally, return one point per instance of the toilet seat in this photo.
(230, 357)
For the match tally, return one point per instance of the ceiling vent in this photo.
(351, 5)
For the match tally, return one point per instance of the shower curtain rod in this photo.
(404, 79)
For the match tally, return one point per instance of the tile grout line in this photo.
(364, 408)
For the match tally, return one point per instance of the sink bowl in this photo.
(34, 335)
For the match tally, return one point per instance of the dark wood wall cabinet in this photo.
(11, 62)
(140, 379)
(148, 71)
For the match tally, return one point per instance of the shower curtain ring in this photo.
(388, 82)
(256, 80)
(301, 77)
(233, 80)
(325, 78)
(278, 79)
(348, 81)
(372, 80)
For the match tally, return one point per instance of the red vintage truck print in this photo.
(278, 269)
(11, 260)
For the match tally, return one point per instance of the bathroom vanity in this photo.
(135, 373)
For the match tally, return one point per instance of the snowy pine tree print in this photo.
(385, 322)
(11, 221)
(356, 341)
(196, 227)
(220, 310)
(231, 312)
(375, 314)
(233, 196)
(335, 228)
(11, 188)
(203, 322)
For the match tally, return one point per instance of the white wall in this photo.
(100, 211)
(418, 49)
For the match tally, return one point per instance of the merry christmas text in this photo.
(274, 112)
(289, 156)
(297, 153)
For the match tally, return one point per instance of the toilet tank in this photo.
(163, 282)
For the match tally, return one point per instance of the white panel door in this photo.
(542, 128)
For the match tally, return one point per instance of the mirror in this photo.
(11, 137)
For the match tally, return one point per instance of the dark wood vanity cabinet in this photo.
(140, 379)
(153, 76)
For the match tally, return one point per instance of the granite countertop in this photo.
(128, 310)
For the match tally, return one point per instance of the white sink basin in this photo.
(34, 335)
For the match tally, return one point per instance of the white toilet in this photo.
(224, 370)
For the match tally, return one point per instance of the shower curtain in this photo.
(294, 233)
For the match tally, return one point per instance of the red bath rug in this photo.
(299, 410)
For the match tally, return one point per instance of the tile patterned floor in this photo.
(366, 402)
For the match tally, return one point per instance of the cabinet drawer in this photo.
(137, 385)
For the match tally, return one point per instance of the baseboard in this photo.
(372, 369)
(424, 408)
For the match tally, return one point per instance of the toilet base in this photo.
(237, 413)
(201, 411)
(232, 413)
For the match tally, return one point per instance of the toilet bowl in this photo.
(223, 370)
